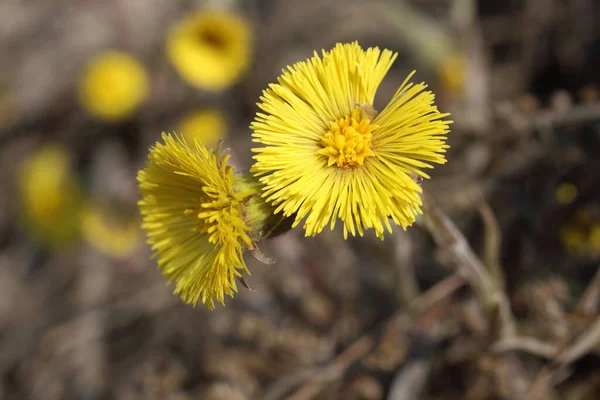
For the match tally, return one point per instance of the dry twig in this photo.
(488, 289)
(590, 300)
(313, 382)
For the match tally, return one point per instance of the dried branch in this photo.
(487, 288)
(585, 343)
(313, 382)
(493, 237)
(334, 370)
(526, 344)
(438, 292)
(410, 381)
(406, 286)
(590, 300)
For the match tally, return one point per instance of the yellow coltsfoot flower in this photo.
(110, 231)
(211, 49)
(328, 154)
(50, 197)
(113, 86)
(207, 126)
(200, 217)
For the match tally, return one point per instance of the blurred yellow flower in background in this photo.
(207, 126)
(328, 154)
(452, 73)
(110, 232)
(565, 193)
(210, 49)
(580, 235)
(199, 218)
(431, 44)
(51, 197)
(113, 86)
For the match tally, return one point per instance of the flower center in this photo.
(347, 143)
(221, 216)
(213, 38)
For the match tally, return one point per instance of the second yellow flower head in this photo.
(210, 49)
(327, 154)
(113, 86)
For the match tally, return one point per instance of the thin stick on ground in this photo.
(313, 382)
(489, 291)
(590, 300)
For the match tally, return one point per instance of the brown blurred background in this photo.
(495, 295)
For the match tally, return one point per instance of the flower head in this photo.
(580, 234)
(210, 49)
(199, 218)
(565, 193)
(452, 73)
(207, 126)
(110, 231)
(113, 86)
(51, 197)
(328, 154)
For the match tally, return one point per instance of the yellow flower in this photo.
(580, 235)
(207, 126)
(113, 86)
(565, 193)
(574, 238)
(452, 73)
(210, 49)
(328, 154)
(594, 238)
(50, 197)
(199, 218)
(115, 235)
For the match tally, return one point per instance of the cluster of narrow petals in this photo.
(324, 155)
(194, 219)
(327, 154)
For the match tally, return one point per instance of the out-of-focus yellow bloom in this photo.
(594, 238)
(199, 218)
(210, 49)
(50, 196)
(206, 126)
(113, 86)
(429, 43)
(566, 193)
(574, 238)
(581, 234)
(328, 154)
(452, 73)
(111, 233)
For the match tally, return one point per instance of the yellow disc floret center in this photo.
(347, 143)
(213, 39)
(221, 216)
